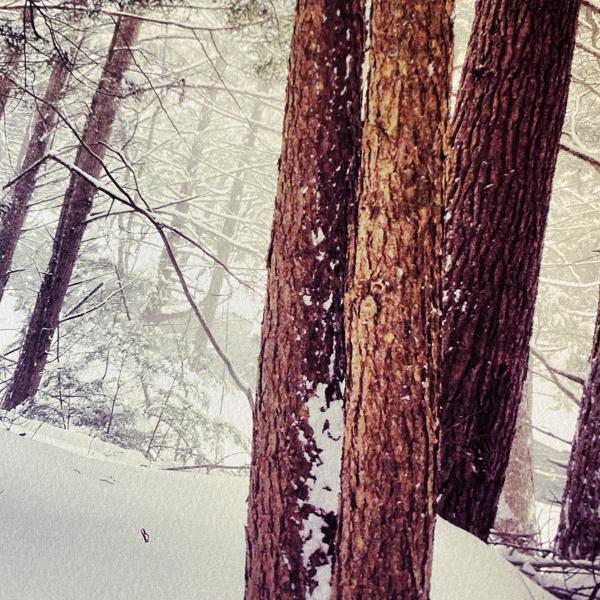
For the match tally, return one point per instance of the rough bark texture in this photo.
(516, 516)
(393, 308)
(7, 71)
(506, 129)
(72, 222)
(579, 528)
(14, 207)
(298, 416)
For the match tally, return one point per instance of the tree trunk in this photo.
(393, 305)
(506, 129)
(14, 209)
(579, 528)
(7, 72)
(72, 222)
(224, 247)
(517, 520)
(166, 279)
(298, 416)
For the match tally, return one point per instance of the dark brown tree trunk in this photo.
(393, 305)
(7, 72)
(72, 223)
(14, 209)
(298, 416)
(579, 528)
(510, 110)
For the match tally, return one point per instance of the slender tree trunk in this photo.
(393, 305)
(517, 519)
(7, 72)
(126, 255)
(510, 110)
(298, 416)
(166, 278)
(224, 247)
(72, 222)
(579, 528)
(14, 209)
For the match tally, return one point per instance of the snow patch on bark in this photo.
(326, 422)
(317, 236)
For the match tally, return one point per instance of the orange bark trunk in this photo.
(393, 307)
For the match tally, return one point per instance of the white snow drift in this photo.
(72, 510)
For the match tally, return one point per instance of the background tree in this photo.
(298, 417)
(516, 517)
(108, 370)
(15, 206)
(504, 154)
(13, 40)
(72, 223)
(231, 222)
(392, 317)
(579, 528)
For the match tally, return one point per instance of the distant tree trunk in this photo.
(298, 417)
(393, 305)
(228, 231)
(72, 223)
(517, 518)
(579, 528)
(15, 206)
(154, 311)
(506, 129)
(7, 72)
(126, 257)
(166, 278)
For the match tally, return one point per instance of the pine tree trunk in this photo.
(393, 305)
(506, 129)
(298, 416)
(72, 222)
(517, 519)
(579, 528)
(7, 72)
(14, 209)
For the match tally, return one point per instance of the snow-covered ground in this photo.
(72, 510)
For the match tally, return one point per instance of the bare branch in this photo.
(593, 4)
(591, 160)
(569, 376)
(588, 48)
(552, 372)
(127, 200)
(552, 435)
(209, 467)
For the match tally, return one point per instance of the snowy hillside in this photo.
(72, 510)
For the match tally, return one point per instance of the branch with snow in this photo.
(565, 578)
(122, 196)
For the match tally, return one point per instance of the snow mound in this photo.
(464, 568)
(71, 529)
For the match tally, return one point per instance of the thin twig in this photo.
(552, 373)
